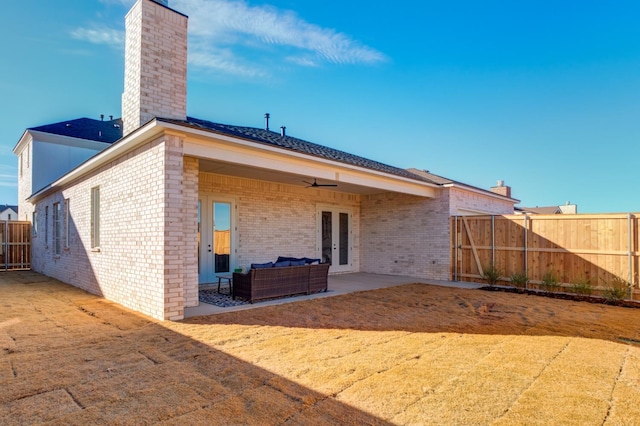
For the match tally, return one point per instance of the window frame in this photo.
(67, 231)
(95, 217)
(46, 226)
(34, 223)
(56, 235)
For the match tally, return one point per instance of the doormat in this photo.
(222, 300)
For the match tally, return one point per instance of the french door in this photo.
(216, 234)
(334, 229)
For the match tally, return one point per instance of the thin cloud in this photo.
(235, 22)
(223, 60)
(9, 180)
(232, 37)
(100, 35)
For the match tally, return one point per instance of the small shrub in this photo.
(549, 282)
(617, 289)
(613, 294)
(582, 286)
(519, 279)
(491, 274)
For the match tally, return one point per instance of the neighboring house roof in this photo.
(540, 210)
(565, 209)
(85, 128)
(287, 142)
(7, 207)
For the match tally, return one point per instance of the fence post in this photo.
(630, 252)
(5, 244)
(455, 248)
(526, 261)
(493, 241)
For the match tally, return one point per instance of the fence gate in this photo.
(15, 245)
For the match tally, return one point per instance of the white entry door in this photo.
(334, 240)
(216, 233)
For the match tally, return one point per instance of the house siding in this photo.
(25, 182)
(139, 193)
(406, 235)
(462, 202)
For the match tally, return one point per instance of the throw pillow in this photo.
(261, 265)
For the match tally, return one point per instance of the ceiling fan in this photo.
(315, 184)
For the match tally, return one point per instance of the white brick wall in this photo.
(279, 220)
(140, 211)
(406, 235)
(190, 230)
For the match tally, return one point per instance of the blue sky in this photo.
(544, 95)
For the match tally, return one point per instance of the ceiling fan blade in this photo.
(315, 184)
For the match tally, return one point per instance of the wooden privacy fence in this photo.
(574, 248)
(15, 245)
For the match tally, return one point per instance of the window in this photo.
(20, 164)
(95, 217)
(66, 224)
(34, 224)
(46, 225)
(57, 229)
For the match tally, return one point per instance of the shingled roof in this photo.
(7, 207)
(276, 139)
(85, 128)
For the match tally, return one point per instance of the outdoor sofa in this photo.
(282, 278)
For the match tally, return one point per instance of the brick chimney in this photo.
(501, 189)
(155, 75)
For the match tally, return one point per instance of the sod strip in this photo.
(575, 388)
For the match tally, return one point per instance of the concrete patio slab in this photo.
(338, 284)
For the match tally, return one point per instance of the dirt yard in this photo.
(414, 354)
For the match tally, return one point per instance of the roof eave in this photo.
(246, 142)
(156, 127)
(26, 137)
(206, 133)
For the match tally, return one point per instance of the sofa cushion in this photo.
(300, 262)
(261, 265)
(282, 263)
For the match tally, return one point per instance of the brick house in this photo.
(133, 211)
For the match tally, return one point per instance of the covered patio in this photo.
(339, 284)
